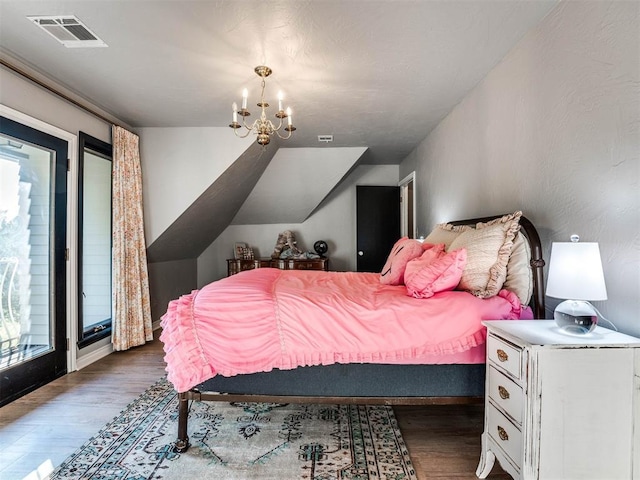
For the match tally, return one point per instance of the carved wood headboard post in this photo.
(537, 262)
(537, 266)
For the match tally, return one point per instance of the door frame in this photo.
(411, 178)
(72, 200)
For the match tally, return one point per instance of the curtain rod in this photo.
(56, 92)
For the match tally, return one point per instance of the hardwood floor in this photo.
(444, 440)
(38, 431)
(41, 429)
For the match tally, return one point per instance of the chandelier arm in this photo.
(241, 136)
(280, 136)
(253, 126)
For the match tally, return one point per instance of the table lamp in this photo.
(575, 274)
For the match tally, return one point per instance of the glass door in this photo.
(33, 196)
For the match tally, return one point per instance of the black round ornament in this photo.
(320, 247)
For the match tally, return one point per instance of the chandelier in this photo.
(262, 127)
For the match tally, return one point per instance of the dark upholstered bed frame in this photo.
(363, 383)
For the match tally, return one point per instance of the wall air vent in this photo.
(325, 138)
(68, 30)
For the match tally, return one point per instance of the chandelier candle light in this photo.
(262, 127)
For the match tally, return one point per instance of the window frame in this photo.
(102, 329)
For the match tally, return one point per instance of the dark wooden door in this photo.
(377, 225)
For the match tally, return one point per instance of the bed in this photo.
(213, 352)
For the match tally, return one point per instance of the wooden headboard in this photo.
(537, 262)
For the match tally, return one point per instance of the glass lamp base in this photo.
(576, 317)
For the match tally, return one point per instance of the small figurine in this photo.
(286, 246)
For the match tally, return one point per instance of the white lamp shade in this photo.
(575, 272)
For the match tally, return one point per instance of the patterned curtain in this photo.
(131, 323)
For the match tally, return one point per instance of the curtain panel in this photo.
(131, 324)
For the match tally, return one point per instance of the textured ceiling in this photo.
(377, 74)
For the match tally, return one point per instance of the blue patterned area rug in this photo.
(241, 441)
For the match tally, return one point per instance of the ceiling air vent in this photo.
(68, 30)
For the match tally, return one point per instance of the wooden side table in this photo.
(561, 406)
(301, 264)
(239, 265)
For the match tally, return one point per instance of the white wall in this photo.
(178, 165)
(553, 130)
(334, 222)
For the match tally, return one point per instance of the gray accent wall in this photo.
(169, 280)
(553, 130)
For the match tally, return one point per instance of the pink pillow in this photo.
(426, 277)
(430, 252)
(404, 250)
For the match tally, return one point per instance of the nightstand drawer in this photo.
(505, 434)
(505, 356)
(506, 394)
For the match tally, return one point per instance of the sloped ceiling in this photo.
(211, 213)
(295, 183)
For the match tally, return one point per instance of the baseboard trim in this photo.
(102, 352)
(94, 356)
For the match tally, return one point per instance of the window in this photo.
(94, 240)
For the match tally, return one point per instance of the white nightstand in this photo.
(560, 406)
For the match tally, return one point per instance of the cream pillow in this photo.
(519, 278)
(519, 275)
(488, 247)
(445, 233)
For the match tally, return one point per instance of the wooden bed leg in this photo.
(182, 442)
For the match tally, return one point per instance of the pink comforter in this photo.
(267, 318)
